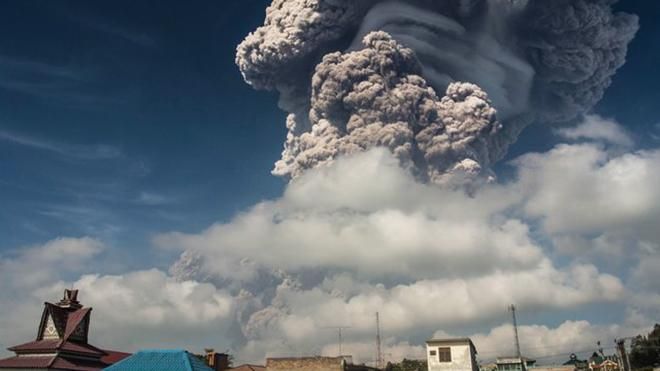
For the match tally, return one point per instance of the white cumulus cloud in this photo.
(597, 128)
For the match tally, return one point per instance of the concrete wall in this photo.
(462, 358)
(305, 364)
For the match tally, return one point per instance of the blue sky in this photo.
(127, 119)
(124, 121)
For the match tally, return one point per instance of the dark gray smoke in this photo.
(358, 74)
(575, 47)
(375, 97)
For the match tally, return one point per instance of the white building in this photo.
(451, 355)
(514, 363)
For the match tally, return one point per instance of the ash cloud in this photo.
(375, 97)
(531, 61)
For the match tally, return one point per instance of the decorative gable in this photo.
(50, 330)
(80, 333)
(61, 341)
(53, 322)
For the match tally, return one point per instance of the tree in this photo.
(645, 350)
(408, 365)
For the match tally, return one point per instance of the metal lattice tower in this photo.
(338, 328)
(379, 354)
(512, 308)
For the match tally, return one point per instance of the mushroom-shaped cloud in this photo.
(348, 86)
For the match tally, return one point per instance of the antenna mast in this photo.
(512, 308)
(379, 354)
(338, 328)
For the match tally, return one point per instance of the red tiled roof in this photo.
(67, 352)
(74, 320)
(113, 357)
(77, 364)
(56, 344)
(51, 344)
(53, 363)
(81, 348)
(26, 362)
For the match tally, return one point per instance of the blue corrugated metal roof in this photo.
(160, 360)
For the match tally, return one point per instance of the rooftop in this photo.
(514, 359)
(61, 342)
(449, 340)
(160, 360)
(452, 341)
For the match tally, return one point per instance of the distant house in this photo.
(61, 342)
(318, 363)
(216, 361)
(598, 362)
(514, 363)
(161, 360)
(451, 354)
(578, 364)
(607, 365)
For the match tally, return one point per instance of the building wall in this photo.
(462, 358)
(554, 368)
(305, 364)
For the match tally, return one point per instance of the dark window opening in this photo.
(444, 354)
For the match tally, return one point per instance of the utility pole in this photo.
(338, 328)
(379, 354)
(512, 308)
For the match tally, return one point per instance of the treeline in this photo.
(645, 350)
(407, 365)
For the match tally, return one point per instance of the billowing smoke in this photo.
(446, 85)
(421, 93)
(375, 97)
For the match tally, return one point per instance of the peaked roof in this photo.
(52, 363)
(65, 348)
(112, 356)
(65, 320)
(74, 320)
(57, 362)
(160, 360)
(44, 346)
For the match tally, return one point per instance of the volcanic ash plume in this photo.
(375, 97)
(358, 74)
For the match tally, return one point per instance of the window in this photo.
(433, 352)
(444, 354)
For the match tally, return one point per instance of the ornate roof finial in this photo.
(70, 300)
